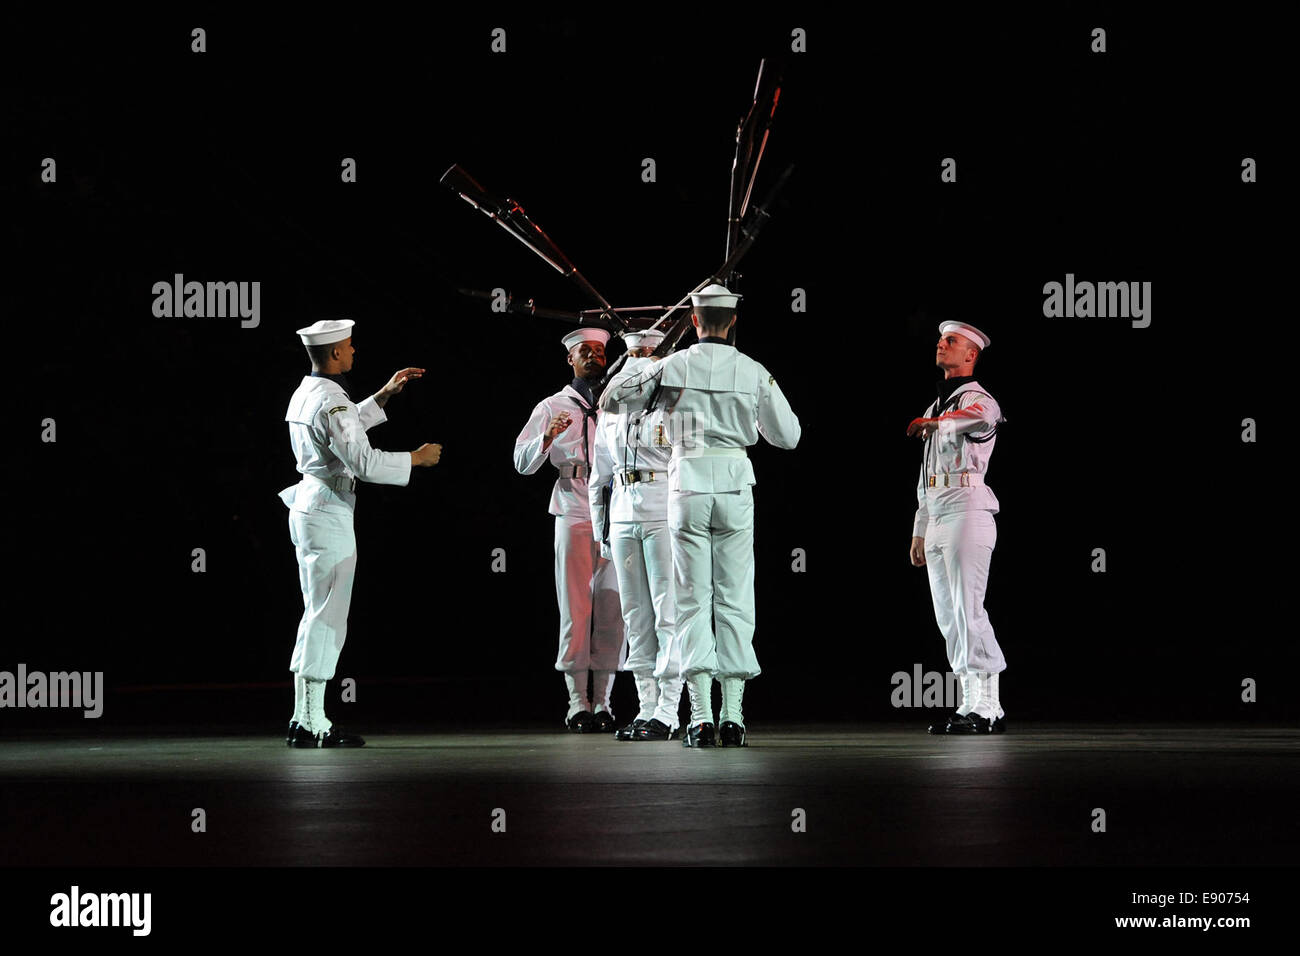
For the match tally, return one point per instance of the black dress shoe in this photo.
(974, 723)
(334, 737)
(654, 729)
(943, 725)
(626, 733)
(961, 724)
(731, 734)
(700, 735)
(583, 722)
(604, 723)
(288, 740)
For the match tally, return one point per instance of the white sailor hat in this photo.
(585, 335)
(648, 338)
(715, 296)
(326, 331)
(963, 328)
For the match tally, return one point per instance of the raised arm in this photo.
(979, 413)
(371, 413)
(347, 440)
(632, 387)
(534, 442)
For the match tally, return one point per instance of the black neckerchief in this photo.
(714, 340)
(946, 386)
(589, 411)
(340, 380)
(583, 388)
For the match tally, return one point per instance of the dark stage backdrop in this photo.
(1122, 166)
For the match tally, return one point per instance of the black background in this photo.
(224, 166)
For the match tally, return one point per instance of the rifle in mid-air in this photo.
(743, 226)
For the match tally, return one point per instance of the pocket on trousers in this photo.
(736, 510)
(308, 498)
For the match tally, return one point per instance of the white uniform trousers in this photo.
(713, 575)
(586, 588)
(958, 549)
(643, 560)
(327, 562)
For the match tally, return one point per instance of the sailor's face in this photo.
(951, 350)
(587, 358)
(346, 351)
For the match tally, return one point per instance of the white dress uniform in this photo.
(954, 514)
(586, 587)
(632, 451)
(328, 434)
(717, 401)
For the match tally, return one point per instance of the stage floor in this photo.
(869, 795)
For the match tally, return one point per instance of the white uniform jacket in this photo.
(569, 495)
(713, 396)
(328, 435)
(948, 452)
(630, 441)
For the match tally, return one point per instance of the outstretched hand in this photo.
(923, 427)
(399, 380)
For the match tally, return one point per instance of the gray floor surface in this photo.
(869, 795)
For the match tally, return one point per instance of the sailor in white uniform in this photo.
(561, 430)
(953, 532)
(328, 435)
(631, 450)
(717, 401)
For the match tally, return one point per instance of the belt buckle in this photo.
(652, 476)
(631, 477)
(965, 479)
(932, 481)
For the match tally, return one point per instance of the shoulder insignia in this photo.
(338, 408)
